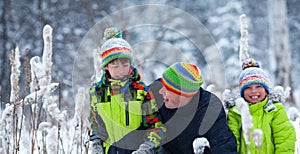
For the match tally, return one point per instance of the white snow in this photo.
(257, 137)
(247, 124)
(199, 145)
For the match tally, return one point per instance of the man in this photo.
(189, 112)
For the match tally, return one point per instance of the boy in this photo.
(121, 104)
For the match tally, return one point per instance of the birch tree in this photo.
(279, 41)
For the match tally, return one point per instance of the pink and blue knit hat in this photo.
(114, 46)
(182, 78)
(253, 74)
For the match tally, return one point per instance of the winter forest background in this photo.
(50, 93)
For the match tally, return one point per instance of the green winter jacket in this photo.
(120, 107)
(271, 118)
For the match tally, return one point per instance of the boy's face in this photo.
(255, 93)
(118, 68)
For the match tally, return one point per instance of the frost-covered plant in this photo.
(244, 39)
(15, 75)
(49, 130)
(247, 124)
(6, 128)
(76, 129)
(12, 116)
(97, 63)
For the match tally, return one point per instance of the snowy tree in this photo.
(294, 36)
(226, 17)
(279, 41)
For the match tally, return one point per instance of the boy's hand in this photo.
(96, 147)
(144, 149)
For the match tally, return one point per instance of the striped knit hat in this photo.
(253, 74)
(114, 46)
(182, 78)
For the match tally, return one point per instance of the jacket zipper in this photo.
(127, 113)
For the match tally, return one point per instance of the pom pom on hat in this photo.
(253, 74)
(250, 63)
(182, 78)
(112, 32)
(114, 46)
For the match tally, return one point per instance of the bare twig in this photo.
(34, 126)
(58, 127)
(21, 126)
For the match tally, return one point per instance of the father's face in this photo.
(171, 99)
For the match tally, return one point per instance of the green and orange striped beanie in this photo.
(182, 78)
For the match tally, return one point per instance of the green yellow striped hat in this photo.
(182, 78)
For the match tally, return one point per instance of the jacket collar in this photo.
(258, 106)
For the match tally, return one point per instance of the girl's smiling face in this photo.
(255, 93)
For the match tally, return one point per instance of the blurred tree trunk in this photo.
(279, 42)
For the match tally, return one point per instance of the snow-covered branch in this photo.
(47, 63)
(244, 39)
(15, 75)
(36, 95)
(45, 80)
(97, 67)
(6, 127)
(246, 118)
(81, 109)
(47, 53)
(37, 73)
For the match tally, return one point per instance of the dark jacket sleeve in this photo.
(220, 137)
(97, 125)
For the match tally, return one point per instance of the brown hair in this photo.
(122, 60)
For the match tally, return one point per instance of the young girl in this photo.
(121, 104)
(278, 134)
